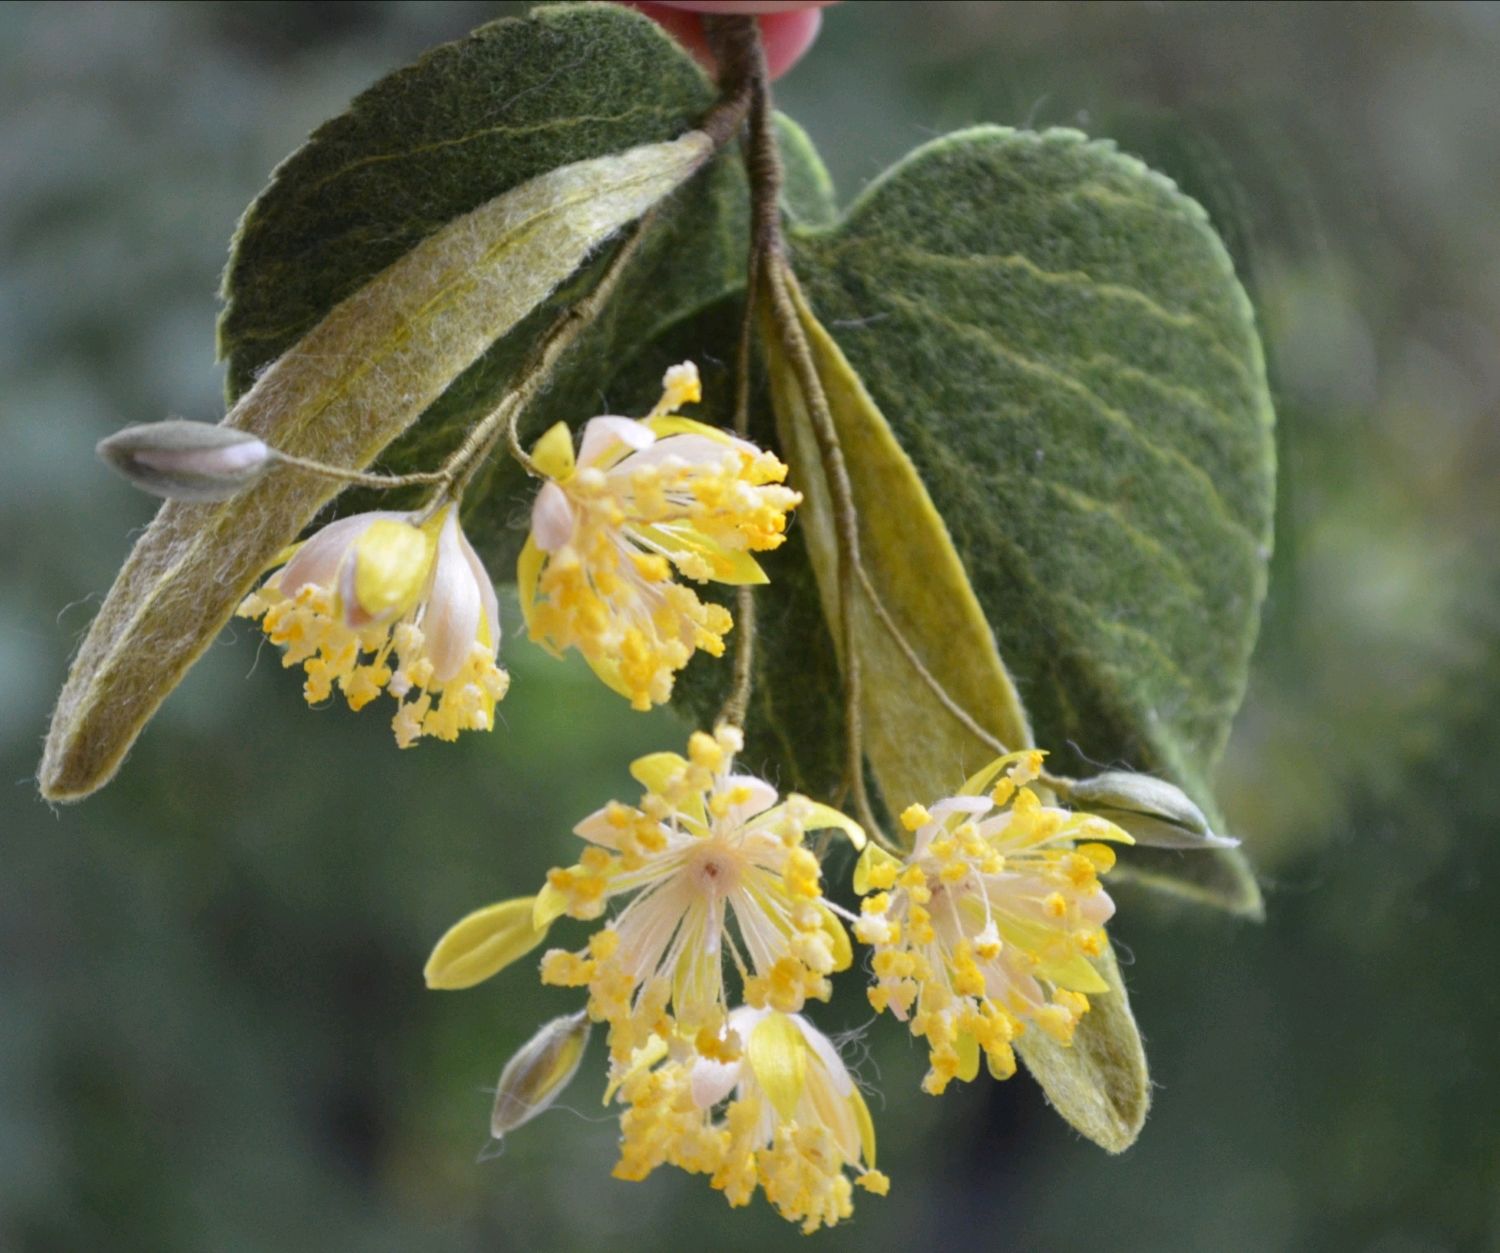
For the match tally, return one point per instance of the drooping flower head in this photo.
(713, 869)
(987, 927)
(643, 500)
(387, 602)
(793, 1120)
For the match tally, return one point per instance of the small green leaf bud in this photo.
(183, 460)
(1157, 813)
(536, 1075)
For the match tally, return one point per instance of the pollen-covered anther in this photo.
(768, 1104)
(709, 869)
(389, 602)
(990, 923)
(639, 502)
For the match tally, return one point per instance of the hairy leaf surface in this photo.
(1099, 1083)
(1057, 339)
(339, 395)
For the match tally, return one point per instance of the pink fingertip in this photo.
(744, 6)
(788, 28)
(787, 37)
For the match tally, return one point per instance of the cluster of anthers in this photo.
(390, 602)
(712, 868)
(989, 925)
(716, 935)
(401, 603)
(640, 501)
(715, 877)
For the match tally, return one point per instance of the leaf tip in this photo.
(74, 766)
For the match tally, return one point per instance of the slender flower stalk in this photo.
(390, 602)
(986, 929)
(792, 1120)
(711, 868)
(641, 502)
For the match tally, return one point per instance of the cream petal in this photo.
(1097, 908)
(712, 1081)
(552, 519)
(961, 804)
(762, 798)
(486, 586)
(317, 562)
(450, 619)
(1003, 980)
(838, 1073)
(1021, 894)
(743, 1021)
(692, 449)
(598, 829)
(602, 435)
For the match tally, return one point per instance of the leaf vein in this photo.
(1113, 415)
(1178, 319)
(552, 124)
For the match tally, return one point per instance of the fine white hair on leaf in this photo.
(358, 379)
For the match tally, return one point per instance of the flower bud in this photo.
(182, 460)
(536, 1075)
(1156, 813)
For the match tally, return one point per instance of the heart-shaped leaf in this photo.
(1057, 339)
(936, 700)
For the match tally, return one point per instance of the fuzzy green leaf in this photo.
(1059, 342)
(1099, 1082)
(468, 121)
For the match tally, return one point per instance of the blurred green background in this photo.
(213, 1030)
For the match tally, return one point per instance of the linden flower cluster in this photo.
(712, 930)
(988, 926)
(390, 602)
(715, 935)
(710, 870)
(400, 603)
(640, 500)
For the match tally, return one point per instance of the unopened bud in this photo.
(1156, 813)
(183, 460)
(536, 1076)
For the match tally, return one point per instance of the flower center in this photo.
(715, 870)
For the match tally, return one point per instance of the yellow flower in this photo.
(987, 927)
(705, 847)
(641, 500)
(793, 1120)
(381, 602)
